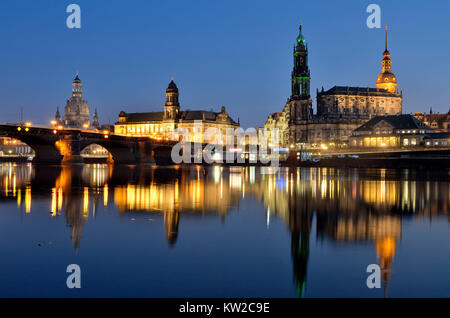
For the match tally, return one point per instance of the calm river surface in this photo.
(223, 231)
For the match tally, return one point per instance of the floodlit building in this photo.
(164, 124)
(391, 131)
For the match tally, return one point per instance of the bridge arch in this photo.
(119, 152)
(12, 146)
(44, 152)
(95, 151)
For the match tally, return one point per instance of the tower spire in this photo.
(387, 80)
(387, 37)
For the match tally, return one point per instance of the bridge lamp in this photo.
(55, 131)
(106, 136)
(19, 128)
(27, 129)
(28, 124)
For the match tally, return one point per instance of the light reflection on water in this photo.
(326, 213)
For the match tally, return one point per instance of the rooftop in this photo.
(355, 90)
(396, 121)
(187, 115)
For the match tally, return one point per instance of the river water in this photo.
(146, 231)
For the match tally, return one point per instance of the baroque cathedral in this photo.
(76, 112)
(340, 109)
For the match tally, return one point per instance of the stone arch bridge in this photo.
(55, 146)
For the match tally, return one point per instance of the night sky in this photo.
(232, 53)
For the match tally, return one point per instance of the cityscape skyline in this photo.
(135, 83)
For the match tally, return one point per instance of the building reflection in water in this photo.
(350, 206)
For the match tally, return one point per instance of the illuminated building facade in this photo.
(278, 121)
(391, 131)
(340, 110)
(162, 125)
(357, 102)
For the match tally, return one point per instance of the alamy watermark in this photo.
(374, 19)
(374, 279)
(231, 145)
(73, 21)
(74, 279)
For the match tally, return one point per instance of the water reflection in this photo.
(349, 206)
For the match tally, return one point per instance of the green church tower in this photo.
(301, 77)
(300, 103)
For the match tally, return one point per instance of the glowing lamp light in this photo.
(324, 147)
(106, 136)
(85, 126)
(53, 122)
(55, 131)
(27, 129)
(28, 124)
(60, 127)
(19, 128)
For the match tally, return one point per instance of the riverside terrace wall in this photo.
(419, 159)
(415, 159)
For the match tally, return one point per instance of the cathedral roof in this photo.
(354, 89)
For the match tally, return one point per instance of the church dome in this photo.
(172, 87)
(386, 78)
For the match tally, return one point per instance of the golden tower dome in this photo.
(387, 80)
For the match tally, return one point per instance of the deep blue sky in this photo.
(232, 53)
